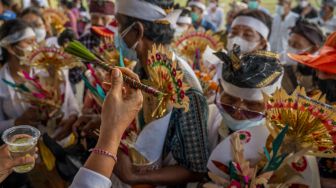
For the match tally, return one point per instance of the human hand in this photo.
(121, 105)
(31, 116)
(7, 163)
(86, 124)
(124, 169)
(65, 127)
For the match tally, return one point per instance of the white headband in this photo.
(17, 37)
(251, 94)
(146, 11)
(184, 20)
(253, 23)
(197, 4)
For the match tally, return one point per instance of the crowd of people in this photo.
(88, 144)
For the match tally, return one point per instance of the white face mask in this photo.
(245, 46)
(237, 125)
(180, 30)
(40, 33)
(304, 4)
(290, 50)
(280, 10)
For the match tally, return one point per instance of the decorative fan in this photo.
(192, 44)
(51, 59)
(111, 56)
(164, 75)
(56, 19)
(312, 123)
(44, 91)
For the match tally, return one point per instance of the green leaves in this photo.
(276, 160)
(77, 49)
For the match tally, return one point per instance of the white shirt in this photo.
(280, 31)
(11, 106)
(328, 26)
(216, 17)
(86, 178)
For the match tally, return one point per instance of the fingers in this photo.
(117, 82)
(22, 161)
(130, 73)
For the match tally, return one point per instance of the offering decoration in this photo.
(298, 126)
(77, 49)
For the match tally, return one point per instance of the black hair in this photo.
(10, 27)
(67, 35)
(260, 15)
(68, 4)
(7, 3)
(328, 87)
(157, 32)
(310, 31)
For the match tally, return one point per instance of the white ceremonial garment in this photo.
(255, 142)
(281, 30)
(11, 106)
(216, 17)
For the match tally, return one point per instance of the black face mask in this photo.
(328, 87)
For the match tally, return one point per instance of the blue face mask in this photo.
(120, 44)
(194, 17)
(237, 125)
(7, 15)
(253, 5)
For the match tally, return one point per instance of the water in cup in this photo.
(21, 141)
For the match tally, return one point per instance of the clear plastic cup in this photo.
(21, 141)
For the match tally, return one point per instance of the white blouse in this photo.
(12, 107)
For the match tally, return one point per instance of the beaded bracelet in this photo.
(104, 153)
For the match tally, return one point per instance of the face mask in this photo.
(237, 125)
(280, 10)
(245, 46)
(180, 30)
(253, 5)
(40, 34)
(194, 17)
(304, 4)
(120, 44)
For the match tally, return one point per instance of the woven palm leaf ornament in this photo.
(111, 56)
(56, 19)
(298, 126)
(312, 123)
(77, 49)
(165, 75)
(192, 44)
(44, 91)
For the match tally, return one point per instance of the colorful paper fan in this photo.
(56, 19)
(312, 123)
(325, 61)
(192, 42)
(50, 59)
(164, 75)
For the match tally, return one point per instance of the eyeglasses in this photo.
(230, 109)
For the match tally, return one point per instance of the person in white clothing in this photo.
(16, 38)
(215, 14)
(250, 30)
(39, 3)
(327, 18)
(284, 20)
